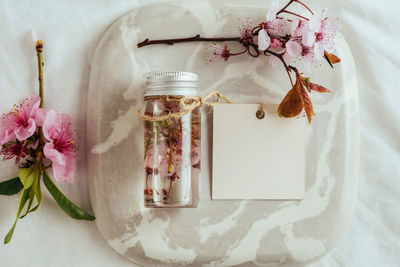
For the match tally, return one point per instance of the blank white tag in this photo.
(257, 159)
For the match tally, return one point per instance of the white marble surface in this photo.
(218, 233)
(71, 31)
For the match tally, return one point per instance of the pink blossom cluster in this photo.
(307, 38)
(299, 38)
(30, 133)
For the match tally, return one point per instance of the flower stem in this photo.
(170, 187)
(170, 153)
(39, 50)
(240, 53)
(294, 14)
(301, 3)
(284, 8)
(290, 77)
(196, 38)
(147, 145)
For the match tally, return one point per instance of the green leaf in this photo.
(22, 202)
(65, 204)
(34, 190)
(11, 187)
(28, 176)
(31, 194)
(38, 194)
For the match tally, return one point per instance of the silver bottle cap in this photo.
(172, 83)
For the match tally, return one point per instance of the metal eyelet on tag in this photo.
(260, 114)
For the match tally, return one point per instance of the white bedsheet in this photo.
(71, 30)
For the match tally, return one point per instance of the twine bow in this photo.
(187, 104)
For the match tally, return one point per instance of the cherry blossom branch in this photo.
(269, 37)
(39, 50)
(196, 38)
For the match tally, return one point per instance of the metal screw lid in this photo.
(172, 83)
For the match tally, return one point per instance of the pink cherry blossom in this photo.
(324, 34)
(300, 28)
(217, 51)
(295, 49)
(60, 149)
(22, 121)
(246, 32)
(308, 57)
(271, 25)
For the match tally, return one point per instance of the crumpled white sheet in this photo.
(71, 30)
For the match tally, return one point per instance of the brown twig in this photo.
(39, 50)
(196, 38)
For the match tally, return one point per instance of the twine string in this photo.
(187, 104)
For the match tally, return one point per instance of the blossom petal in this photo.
(293, 48)
(52, 125)
(273, 10)
(54, 155)
(33, 104)
(294, 26)
(319, 50)
(308, 38)
(64, 173)
(40, 116)
(6, 135)
(315, 23)
(263, 40)
(23, 133)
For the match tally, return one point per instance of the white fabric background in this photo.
(71, 30)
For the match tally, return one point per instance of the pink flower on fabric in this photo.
(271, 25)
(60, 149)
(324, 34)
(22, 121)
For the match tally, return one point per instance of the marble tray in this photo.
(218, 233)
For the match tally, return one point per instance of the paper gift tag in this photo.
(257, 159)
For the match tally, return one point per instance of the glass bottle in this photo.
(172, 147)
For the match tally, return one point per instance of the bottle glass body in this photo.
(172, 154)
